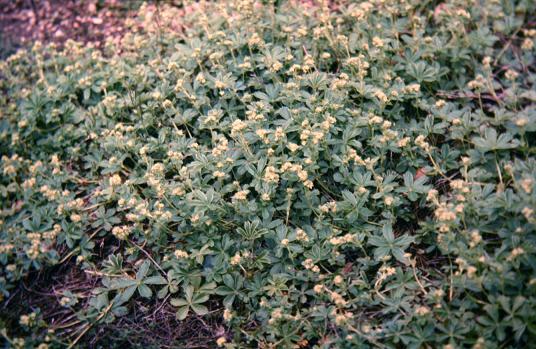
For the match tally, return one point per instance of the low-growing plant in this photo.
(360, 175)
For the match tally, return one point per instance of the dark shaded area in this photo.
(149, 325)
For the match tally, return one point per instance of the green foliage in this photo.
(353, 177)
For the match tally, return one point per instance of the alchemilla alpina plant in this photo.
(348, 176)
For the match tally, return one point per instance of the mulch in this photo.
(23, 22)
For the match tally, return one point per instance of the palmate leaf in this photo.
(354, 206)
(491, 141)
(251, 230)
(183, 307)
(421, 72)
(193, 299)
(412, 188)
(199, 255)
(129, 286)
(105, 218)
(388, 244)
(231, 289)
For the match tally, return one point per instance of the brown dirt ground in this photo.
(25, 21)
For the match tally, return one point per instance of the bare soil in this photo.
(23, 22)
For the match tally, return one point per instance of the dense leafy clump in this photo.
(355, 176)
